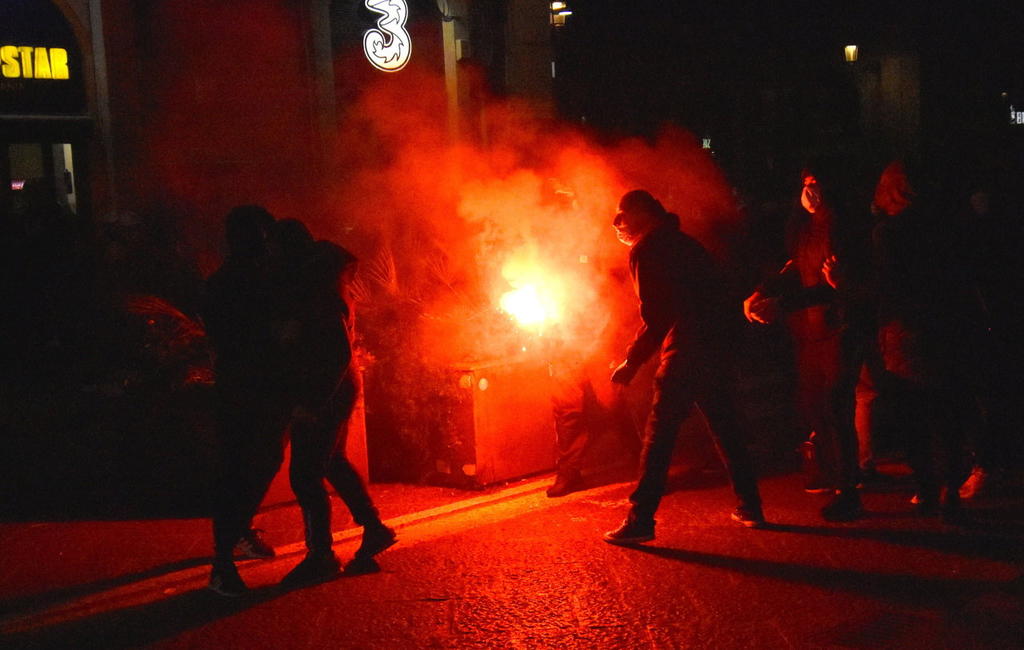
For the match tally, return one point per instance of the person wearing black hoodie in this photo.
(252, 414)
(930, 321)
(686, 315)
(316, 341)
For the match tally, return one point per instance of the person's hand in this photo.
(624, 374)
(761, 310)
(828, 269)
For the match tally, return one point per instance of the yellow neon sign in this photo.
(388, 48)
(25, 62)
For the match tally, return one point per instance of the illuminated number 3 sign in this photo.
(388, 48)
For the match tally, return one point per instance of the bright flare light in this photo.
(537, 297)
(526, 306)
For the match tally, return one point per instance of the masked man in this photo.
(686, 315)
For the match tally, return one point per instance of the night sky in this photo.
(773, 76)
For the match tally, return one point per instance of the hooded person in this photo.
(686, 321)
(324, 389)
(823, 294)
(252, 413)
(929, 318)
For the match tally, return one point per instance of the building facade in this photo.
(117, 104)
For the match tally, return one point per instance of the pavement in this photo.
(509, 567)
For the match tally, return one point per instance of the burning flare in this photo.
(526, 306)
(536, 298)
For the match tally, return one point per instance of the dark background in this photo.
(768, 84)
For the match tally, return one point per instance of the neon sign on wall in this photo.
(21, 61)
(388, 47)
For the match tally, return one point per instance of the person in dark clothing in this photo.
(317, 346)
(587, 411)
(993, 255)
(251, 413)
(927, 315)
(685, 314)
(825, 294)
(582, 416)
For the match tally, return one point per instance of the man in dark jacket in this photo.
(686, 314)
(251, 412)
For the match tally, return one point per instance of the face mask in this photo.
(623, 236)
(630, 228)
(810, 198)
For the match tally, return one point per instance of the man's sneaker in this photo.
(631, 531)
(845, 506)
(313, 569)
(977, 484)
(224, 580)
(376, 539)
(751, 517)
(565, 483)
(253, 546)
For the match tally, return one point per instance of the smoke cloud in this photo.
(523, 201)
(444, 226)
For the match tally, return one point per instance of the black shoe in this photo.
(565, 483)
(376, 539)
(845, 506)
(253, 546)
(313, 569)
(224, 580)
(631, 531)
(751, 517)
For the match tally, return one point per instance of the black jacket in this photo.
(683, 301)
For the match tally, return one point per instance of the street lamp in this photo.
(850, 53)
(559, 12)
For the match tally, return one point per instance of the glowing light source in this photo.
(388, 47)
(24, 62)
(559, 12)
(537, 296)
(525, 305)
(850, 53)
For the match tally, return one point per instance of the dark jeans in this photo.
(829, 370)
(318, 453)
(997, 444)
(870, 384)
(677, 388)
(251, 439)
(933, 421)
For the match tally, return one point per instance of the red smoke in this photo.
(443, 228)
(523, 200)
